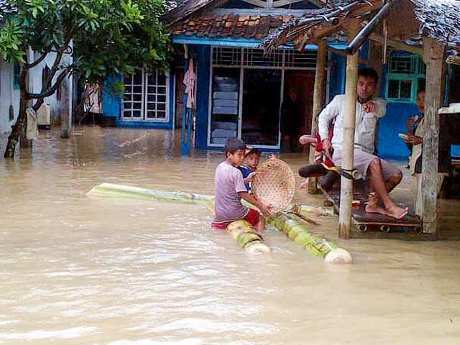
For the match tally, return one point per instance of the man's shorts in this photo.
(253, 218)
(362, 160)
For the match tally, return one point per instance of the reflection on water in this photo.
(75, 270)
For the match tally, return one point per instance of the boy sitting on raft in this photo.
(250, 164)
(230, 189)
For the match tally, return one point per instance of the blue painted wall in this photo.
(389, 145)
(337, 64)
(203, 57)
(111, 103)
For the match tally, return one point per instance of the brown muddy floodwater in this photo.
(75, 270)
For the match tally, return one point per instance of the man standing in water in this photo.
(382, 176)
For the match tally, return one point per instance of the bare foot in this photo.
(397, 212)
(373, 205)
(304, 184)
(376, 209)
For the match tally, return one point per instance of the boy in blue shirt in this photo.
(250, 163)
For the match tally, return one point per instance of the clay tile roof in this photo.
(233, 25)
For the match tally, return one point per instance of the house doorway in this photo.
(261, 107)
(296, 114)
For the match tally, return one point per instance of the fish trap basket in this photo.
(274, 184)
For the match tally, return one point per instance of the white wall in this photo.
(36, 83)
(8, 96)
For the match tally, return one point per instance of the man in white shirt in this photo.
(382, 176)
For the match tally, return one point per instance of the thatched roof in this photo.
(439, 19)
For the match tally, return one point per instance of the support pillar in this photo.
(434, 57)
(65, 109)
(319, 96)
(346, 190)
(376, 60)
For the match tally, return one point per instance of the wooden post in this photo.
(434, 57)
(346, 190)
(64, 109)
(319, 96)
(376, 60)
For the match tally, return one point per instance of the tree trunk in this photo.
(319, 96)
(19, 127)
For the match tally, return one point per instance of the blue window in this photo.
(406, 75)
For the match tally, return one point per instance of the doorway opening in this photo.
(261, 107)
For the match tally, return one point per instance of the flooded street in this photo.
(79, 270)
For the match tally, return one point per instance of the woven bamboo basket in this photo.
(274, 184)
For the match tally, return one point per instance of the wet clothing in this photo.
(252, 218)
(362, 160)
(245, 171)
(229, 182)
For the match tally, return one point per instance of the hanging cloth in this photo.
(190, 85)
(32, 124)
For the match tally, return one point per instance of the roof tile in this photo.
(233, 25)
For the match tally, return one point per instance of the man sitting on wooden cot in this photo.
(382, 176)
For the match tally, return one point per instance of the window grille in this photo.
(256, 57)
(145, 96)
(226, 56)
(250, 57)
(133, 97)
(298, 59)
(402, 64)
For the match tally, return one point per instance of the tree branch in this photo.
(38, 61)
(48, 92)
(55, 68)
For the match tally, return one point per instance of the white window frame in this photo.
(144, 99)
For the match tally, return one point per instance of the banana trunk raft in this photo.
(296, 230)
(243, 233)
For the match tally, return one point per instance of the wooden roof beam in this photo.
(397, 44)
(364, 33)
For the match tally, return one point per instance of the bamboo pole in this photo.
(375, 61)
(319, 95)
(307, 211)
(296, 230)
(346, 190)
(121, 191)
(434, 56)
